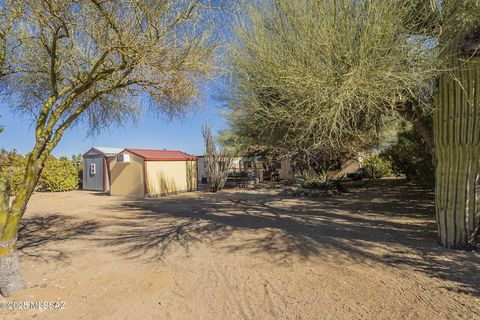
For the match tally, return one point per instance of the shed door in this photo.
(93, 174)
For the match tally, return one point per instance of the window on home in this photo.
(93, 169)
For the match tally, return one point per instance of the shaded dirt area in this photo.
(244, 254)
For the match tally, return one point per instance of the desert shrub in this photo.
(13, 165)
(16, 178)
(217, 162)
(58, 175)
(315, 181)
(376, 166)
(77, 162)
(321, 181)
(410, 156)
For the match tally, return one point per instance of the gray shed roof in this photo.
(107, 151)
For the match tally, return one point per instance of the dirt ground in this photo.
(244, 254)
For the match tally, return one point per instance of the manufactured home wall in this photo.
(166, 177)
(127, 178)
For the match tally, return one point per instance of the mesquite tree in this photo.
(322, 74)
(217, 162)
(96, 61)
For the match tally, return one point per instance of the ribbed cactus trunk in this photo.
(457, 144)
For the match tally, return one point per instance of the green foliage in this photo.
(316, 75)
(316, 181)
(15, 179)
(321, 181)
(13, 164)
(11, 158)
(58, 175)
(324, 74)
(410, 156)
(77, 162)
(377, 166)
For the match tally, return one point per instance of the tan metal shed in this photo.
(152, 173)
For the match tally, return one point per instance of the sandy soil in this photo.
(368, 254)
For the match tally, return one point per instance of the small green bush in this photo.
(13, 165)
(410, 156)
(16, 178)
(315, 181)
(321, 181)
(376, 166)
(58, 175)
(77, 162)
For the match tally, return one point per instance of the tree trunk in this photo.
(11, 280)
(457, 144)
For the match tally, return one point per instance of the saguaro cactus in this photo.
(457, 143)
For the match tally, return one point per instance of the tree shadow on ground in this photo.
(390, 223)
(38, 231)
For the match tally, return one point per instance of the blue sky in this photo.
(150, 131)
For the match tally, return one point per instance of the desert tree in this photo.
(217, 161)
(290, 71)
(96, 62)
(324, 74)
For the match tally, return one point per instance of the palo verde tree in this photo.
(95, 61)
(323, 74)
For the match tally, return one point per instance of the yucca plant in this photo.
(316, 180)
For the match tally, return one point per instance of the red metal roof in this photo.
(170, 155)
